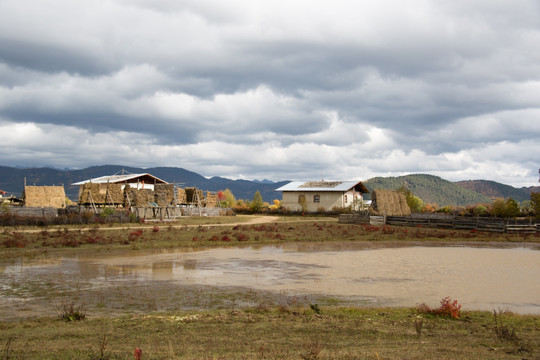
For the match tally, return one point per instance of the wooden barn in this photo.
(44, 196)
(125, 189)
(316, 196)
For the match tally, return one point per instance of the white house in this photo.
(316, 196)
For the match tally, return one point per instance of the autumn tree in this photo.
(256, 204)
(415, 203)
(227, 198)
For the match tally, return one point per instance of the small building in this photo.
(110, 189)
(317, 196)
(44, 196)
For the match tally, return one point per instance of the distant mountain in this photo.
(264, 181)
(12, 180)
(429, 188)
(495, 190)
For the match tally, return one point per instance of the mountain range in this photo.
(431, 189)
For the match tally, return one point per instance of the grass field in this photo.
(285, 329)
(285, 332)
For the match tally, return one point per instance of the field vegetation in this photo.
(277, 328)
(228, 231)
(277, 332)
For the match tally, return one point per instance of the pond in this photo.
(479, 278)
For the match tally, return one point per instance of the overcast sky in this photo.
(283, 90)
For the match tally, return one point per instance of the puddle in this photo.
(480, 278)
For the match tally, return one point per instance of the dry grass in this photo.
(271, 333)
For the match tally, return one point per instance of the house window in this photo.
(316, 198)
(301, 199)
(345, 198)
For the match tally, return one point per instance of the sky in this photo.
(279, 90)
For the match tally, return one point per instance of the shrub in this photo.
(69, 312)
(448, 308)
(134, 235)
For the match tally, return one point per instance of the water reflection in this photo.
(480, 278)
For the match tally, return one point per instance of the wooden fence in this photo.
(32, 211)
(447, 222)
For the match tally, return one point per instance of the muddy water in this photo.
(480, 278)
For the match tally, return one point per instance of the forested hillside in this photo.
(431, 189)
(494, 189)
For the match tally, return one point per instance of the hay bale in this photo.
(211, 200)
(44, 196)
(389, 203)
(92, 193)
(181, 196)
(142, 197)
(129, 196)
(114, 194)
(164, 194)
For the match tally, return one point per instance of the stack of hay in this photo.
(138, 198)
(389, 203)
(164, 194)
(191, 195)
(181, 194)
(143, 197)
(44, 196)
(92, 193)
(211, 200)
(202, 200)
(114, 194)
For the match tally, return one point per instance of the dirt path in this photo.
(256, 219)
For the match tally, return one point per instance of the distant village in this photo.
(149, 196)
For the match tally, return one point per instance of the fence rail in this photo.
(526, 226)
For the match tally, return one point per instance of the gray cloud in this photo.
(277, 90)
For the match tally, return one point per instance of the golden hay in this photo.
(321, 184)
(211, 200)
(389, 203)
(201, 200)
(138, 198)
(44, 196)
(143, 197)
(115, 195)
(181, 194)
(92, 193)
(164, 194)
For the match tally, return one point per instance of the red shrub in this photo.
(449, 308)
(387, 229)
(134, 235)
(155, 229)
(241, 237)
(225, 238)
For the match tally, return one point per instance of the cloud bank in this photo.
(280, 90)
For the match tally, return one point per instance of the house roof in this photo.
(148, 178)
(337, 186)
